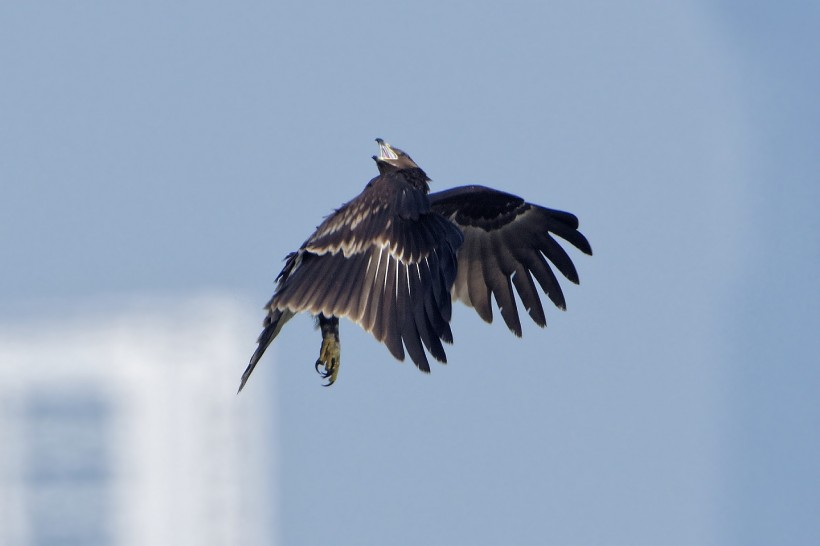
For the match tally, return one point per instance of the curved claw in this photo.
(330, 374)
(324, 374)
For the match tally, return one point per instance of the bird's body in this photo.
(393, 258)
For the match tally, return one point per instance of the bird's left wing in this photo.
(507, 242)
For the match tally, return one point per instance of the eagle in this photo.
(393, 260)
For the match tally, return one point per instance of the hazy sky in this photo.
(152, 149)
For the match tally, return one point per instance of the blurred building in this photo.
(125, 429)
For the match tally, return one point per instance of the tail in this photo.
(273, 325)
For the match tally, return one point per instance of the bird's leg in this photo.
(330, 353)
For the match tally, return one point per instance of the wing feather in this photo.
(428, 333)
(369, 281)
(344, 282)
(565, 225)
(432, 310)
(388, 314)
(351, 287)
(409, 332)
(499, 282)
(559, 257)
(522, 280)
(508, 244)
(388, 320)
(314, 280)
(542, 272)
(478, 289)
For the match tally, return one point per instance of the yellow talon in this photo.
(329, 356)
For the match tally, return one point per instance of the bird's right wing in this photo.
(507, 242)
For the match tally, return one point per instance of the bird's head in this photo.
(392, 159)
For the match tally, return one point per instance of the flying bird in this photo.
(394, 258)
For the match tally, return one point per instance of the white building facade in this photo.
(125, 429)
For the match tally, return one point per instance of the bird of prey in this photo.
(393, 259)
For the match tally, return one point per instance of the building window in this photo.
(68, 467)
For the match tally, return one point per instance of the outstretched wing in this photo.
(507, 242)
(384, 261)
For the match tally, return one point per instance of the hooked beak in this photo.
(385, 151)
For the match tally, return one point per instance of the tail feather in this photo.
(273, 325)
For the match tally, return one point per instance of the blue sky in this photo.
(148, 149)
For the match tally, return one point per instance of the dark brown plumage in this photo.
(393, 258)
